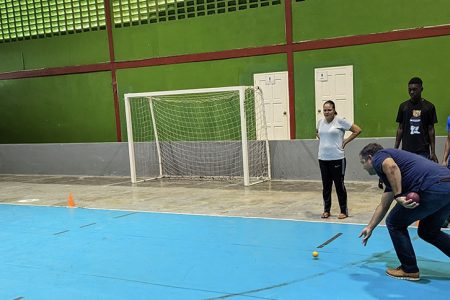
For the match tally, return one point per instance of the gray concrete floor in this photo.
(299, 200)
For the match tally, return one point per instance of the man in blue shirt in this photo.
(403, 172)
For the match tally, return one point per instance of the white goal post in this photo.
(211, 133)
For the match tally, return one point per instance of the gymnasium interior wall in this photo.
(290, 160)
(60, 89)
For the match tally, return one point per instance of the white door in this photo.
(274, 88)
(335, 83)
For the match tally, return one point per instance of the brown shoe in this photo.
(400, 274)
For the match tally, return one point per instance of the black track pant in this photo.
(333, 171)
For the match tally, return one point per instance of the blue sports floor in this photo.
(73, 253)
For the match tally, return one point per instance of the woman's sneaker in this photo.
(400, 274)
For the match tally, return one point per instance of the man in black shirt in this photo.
(416, 118)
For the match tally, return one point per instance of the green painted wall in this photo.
(80, 108)
(234, 30)
(320, 19)
(381, 74)
(59, 109)
(59, 51)
(230, 72)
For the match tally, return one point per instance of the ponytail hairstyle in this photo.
(332, 104)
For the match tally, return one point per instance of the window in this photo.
(27, 19)
(135, 12)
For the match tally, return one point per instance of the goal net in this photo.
(215, 133)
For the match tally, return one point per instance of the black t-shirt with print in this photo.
(416, 117)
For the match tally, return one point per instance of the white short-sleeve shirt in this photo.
(331, 138)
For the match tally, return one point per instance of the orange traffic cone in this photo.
(70, 201)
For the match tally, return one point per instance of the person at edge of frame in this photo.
(446, 160)
(403, 172)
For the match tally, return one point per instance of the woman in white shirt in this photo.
(330, 131)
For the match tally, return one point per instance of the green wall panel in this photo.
(80, 108)
(381, 74)
(243, 29)
(231, 72)
(332, 18)
(57, 51)
(62, 109)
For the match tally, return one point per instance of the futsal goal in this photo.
(212, 133)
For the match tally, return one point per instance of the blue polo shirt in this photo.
(418, 173)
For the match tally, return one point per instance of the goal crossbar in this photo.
(188, 91)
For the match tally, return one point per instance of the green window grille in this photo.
(136, 12)
(26, 19)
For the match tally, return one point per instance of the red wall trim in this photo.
(289, 48)
(56, 71)
(291, 91)
(237, 53)
(288, 21)
(200, 57)
(109, 30)
(113, 69)
(392, 36)
(290, 65)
